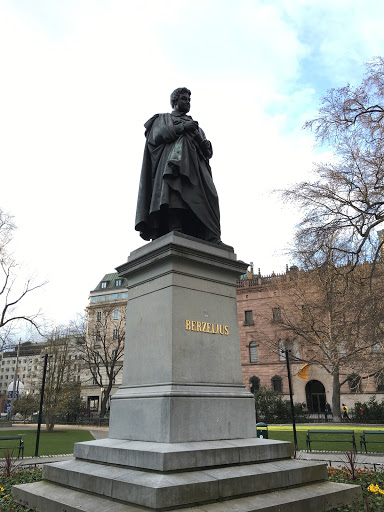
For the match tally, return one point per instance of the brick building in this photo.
(260, 300)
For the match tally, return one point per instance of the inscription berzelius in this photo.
(194, 325)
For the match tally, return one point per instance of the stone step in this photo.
(159, 490)
(181, 456)
(318, 497)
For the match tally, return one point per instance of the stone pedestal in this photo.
(182, 376)
(182, 426)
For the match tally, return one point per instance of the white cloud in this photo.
(79, 80)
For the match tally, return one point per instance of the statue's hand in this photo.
(206, 144)
(191, 126)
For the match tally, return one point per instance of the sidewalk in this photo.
(339, 459)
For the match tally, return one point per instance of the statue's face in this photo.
(183, 103)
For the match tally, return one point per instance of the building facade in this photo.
(260, 302)
(29, 364)
(105, 335)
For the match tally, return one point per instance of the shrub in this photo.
(271, 407)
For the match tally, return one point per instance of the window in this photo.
(118, 282)
(114, 296)
(93, 403)
(253, 357)
(277, 384)
(276, 314)
(254, 384)
(98, 335)
(248, 318)
(104, 284)
(116, 314)
(115, 334)
(98, 316)
(94, 299)
(354, 382)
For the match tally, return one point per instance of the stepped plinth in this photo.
(182, 426)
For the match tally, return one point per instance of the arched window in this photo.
(254, 384)
(354, 381)
(277, 384)
(253, 356)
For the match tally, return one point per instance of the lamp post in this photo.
(101, 399)
(41, 405)
(286, 352)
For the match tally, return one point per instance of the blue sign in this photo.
(14, 396)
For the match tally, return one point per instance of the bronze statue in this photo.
(176, 191)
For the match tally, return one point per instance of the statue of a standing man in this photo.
(176, 191)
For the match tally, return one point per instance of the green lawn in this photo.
(285, 433)
(56, 443)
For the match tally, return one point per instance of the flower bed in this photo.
(371, 482)
(17, 476)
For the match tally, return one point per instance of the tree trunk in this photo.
(336, 395)
(50, 421)
(104, 402)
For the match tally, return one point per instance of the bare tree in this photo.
(337, 316)
(346, 196)
(12, 290)
(60, 346)
(102, 351)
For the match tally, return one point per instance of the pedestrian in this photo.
(345, 412)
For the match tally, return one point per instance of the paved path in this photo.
(339, 459)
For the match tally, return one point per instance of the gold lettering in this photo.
(221, 329)
(193, 325)
(226, 330)
(198, 326)
(188, 325)
(204, 327)
(208, 327)
(217, 329)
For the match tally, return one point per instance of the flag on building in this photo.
(303, 372)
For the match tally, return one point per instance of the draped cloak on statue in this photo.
(175, 174)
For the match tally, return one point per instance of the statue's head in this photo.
(176, 102)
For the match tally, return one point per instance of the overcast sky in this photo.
(78, 79)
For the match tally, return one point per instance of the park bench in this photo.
(312, 437)
(363, 440)
(19, 447)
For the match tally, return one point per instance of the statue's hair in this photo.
(176, 93)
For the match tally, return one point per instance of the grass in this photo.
(285, 433)
(56, 443)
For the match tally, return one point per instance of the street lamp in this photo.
(286, 352)
(41, 405)
(102, 396)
